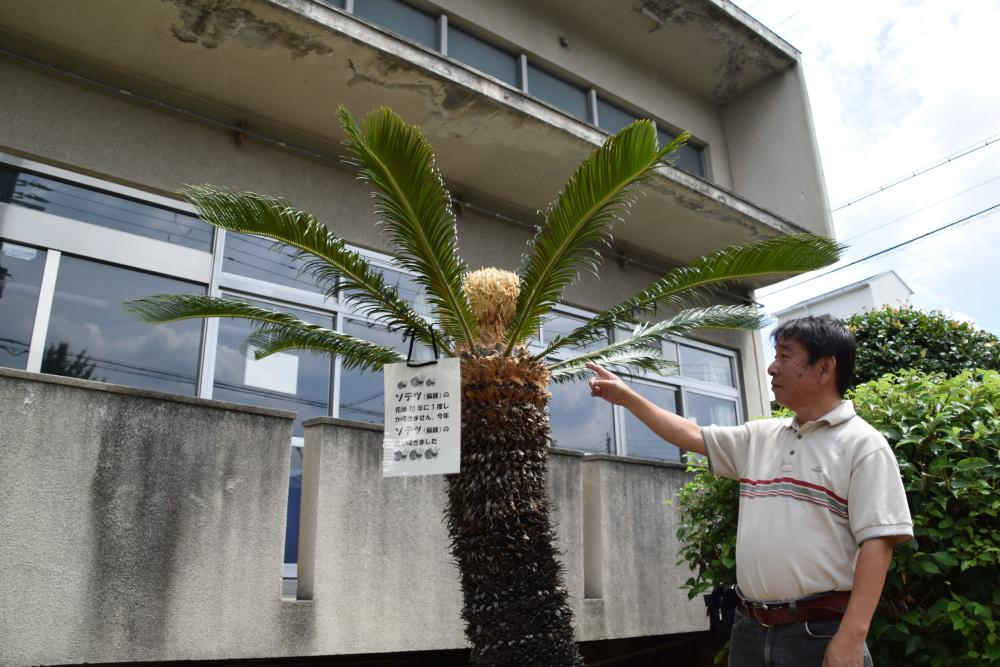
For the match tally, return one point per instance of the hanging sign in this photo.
(422, 419)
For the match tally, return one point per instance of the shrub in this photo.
(941, 601)
(891, 340)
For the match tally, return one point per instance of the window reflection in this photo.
(558, 324)
(710, 410)
(578, 420)
(92, 336)
(292, 380)
(361, 392)
(640, 440)
(699, 364)
(111, 211)
(254, 257)
(20, 277)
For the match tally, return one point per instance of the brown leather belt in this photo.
(824, 608)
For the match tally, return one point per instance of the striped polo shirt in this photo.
(810, 494)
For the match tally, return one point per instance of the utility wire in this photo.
(923, 170)
(886, 250)
(920, 210)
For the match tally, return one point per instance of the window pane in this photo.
(259, 258)
(91, 336)
(612, 118)
(710, 410)
(291, 380)
(706, 366)
(639, 439)
(561, 325)
(294, 507)
(557, 92)
(20, 276)
(339, 4)
(112, 211)
(578, 420)
(361, 397)
(484, 57)
(689, 158)
(400, 18)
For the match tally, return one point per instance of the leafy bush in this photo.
(891, 340)
(941, 603)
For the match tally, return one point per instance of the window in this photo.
(612, 118)
(689, 158)
(361, 392)
(700, 364)
(20, 278)
(579, 421)
(559, 324)
(558, 92)
(711, 410)
(257, 258)
(90, 335)
(112, 211)
(483, 56)
(291, 380)
(639, 439)
(400, 18)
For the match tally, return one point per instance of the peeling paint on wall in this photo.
(211, 23)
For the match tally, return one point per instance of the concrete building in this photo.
(147, 517)
(872, 293)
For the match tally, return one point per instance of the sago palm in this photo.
(516, 608)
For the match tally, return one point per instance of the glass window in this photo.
(699, 364)
(361, 392)
(613, 118)
(91, 336)
(689, 158)
(112, 211)
(557, 92)
(580, 421)
(484, 57)
(639, 439)
(294, 507)
(558, 324)
(710, 410)
(408, 288)
(294, 380)
(20, 277)
(400, 18)
(254, 257)
(339, 4)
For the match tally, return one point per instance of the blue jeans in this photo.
(792, 645)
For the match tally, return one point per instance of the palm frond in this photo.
(646, 335)
(782, 256)
(414, 209)
(634, 362)
(353, 352)
(327, 259)
(160, 308)
(582, 217)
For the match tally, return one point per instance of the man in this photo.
(821, 503)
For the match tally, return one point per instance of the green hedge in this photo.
(941, 602)
(891, 340)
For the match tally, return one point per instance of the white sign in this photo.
(278, 372)
(422, 419)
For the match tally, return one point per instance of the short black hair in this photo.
(823, 336)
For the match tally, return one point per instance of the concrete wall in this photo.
(773, 156)
(143, 526)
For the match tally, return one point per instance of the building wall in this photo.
(144, 526)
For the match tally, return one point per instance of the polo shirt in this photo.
(810, 494)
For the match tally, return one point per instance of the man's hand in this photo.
(609, 386)
(845, 651)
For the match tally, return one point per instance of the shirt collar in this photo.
(835, 417)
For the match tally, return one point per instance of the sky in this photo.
(896, 86)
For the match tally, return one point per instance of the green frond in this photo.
(646, 335)
(782, 256)
(634, 362)
(414, 210)
(353, 352)
(160, 308)
(335, 268)
(594, 199)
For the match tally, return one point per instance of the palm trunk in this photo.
(516, 608)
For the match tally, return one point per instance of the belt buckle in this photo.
(757, 608)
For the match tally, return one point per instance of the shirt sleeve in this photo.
(876, 499)
(727, 448)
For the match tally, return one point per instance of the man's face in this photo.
(794, 381)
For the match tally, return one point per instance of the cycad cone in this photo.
(492, 294)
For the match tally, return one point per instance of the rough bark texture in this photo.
(516, 607)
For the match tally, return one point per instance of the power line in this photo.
(886, 250)
(972, 148)
(920, 210)
(794, 14)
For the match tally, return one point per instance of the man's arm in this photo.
(846, 649)
(669, 426)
